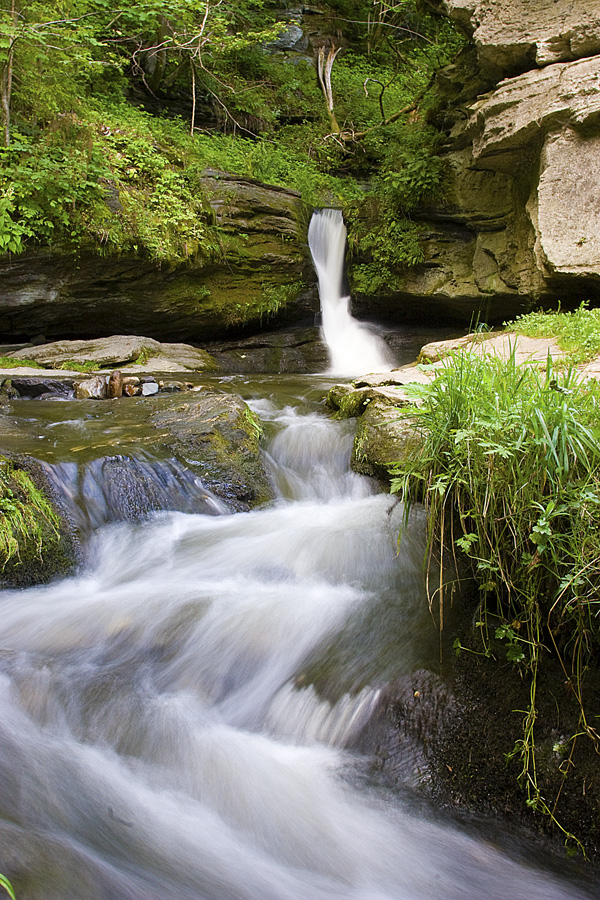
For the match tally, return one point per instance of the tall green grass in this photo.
(509, 471)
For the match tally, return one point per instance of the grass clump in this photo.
(509, 472)
(577, 332)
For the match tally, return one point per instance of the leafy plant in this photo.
(509, 471)
(5, 883)
(25, 515)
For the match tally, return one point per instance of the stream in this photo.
(160, 736)
(179, 720)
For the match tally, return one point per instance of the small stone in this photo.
(149, 388)
(132, 390)
(115, 384)
(170, 387)
(95, 388)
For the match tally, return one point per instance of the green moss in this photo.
(87, 365)
(13, 362)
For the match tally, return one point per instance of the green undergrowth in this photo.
(577, 332)
(509, 471)
(103, 154)
(27, 521)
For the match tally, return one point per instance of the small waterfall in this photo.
(354, 349)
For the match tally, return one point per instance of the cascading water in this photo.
(160, 735)
(354, 348)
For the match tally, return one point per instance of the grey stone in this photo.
(519, 34)
(149, 388)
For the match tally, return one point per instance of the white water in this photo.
(155, 739)
(354, 348)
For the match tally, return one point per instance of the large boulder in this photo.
(132, 351)
(512, 35)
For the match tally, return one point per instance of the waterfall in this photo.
(354, 348)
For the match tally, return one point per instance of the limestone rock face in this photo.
(511, 118)
(511, 34)
(565, 210)
(521, 220)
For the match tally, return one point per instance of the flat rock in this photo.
(526, 349)
(125, 351)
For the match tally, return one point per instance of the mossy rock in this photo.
(37, 542)
(385, 436)
(218, 437)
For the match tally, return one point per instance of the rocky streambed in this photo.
(194, 445)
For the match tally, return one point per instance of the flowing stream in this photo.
(176, 721)
(180, 719)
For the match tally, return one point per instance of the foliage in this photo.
(389, 245)
(578, 332)
(277, 297)
(25, 515)
(5, 883)
(509, 469)
(115, 112)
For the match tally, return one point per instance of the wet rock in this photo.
(95, 388)
(294, 350)
(263, 270)
(383, 438)
(149, 388)
(58, 551)
(115, 385)
(217, 436)
(9, 392)
(38, 388)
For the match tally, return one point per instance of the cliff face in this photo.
(521, 220)
(259, 274)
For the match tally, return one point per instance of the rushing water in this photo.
(354, 348)
(159, 735)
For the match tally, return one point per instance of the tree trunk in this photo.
(6, 77)
(324, 67)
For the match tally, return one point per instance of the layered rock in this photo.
(256, 272)
(520, 221)
(514, 34)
